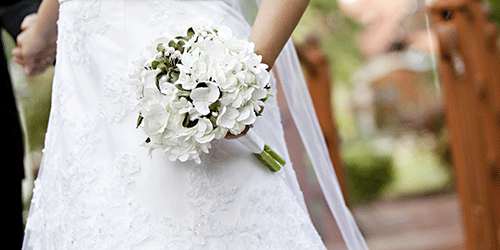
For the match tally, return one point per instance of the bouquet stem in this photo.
(275, 155)
(272, 160)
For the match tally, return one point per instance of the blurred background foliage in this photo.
(368, 173)
(407, 153)
(495, 10)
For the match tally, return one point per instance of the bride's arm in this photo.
(35, 45)
(273, 26)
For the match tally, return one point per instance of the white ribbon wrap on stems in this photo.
(252, 142)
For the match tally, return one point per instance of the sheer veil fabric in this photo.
(97, 189)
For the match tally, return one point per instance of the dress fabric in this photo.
(98, 188)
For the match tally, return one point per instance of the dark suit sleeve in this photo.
(11, 16)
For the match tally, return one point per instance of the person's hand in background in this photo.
(35, 52)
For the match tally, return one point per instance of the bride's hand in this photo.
(34, 52)
(243, 133)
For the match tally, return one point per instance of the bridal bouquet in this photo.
(197, 88)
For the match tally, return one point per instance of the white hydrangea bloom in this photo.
(197, 88)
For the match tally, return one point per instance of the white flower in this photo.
(185, 79)
(225, 33)
(219, 88)
(227, 117)
(155, 119)
(169, 90)
(220, 132)
(183, 105)
(176, 54)
(203, 97)
(214, 50)
(257, 96)
(159, 56)
(204, 131)
(247, 115)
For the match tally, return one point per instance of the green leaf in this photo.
(213, 119)
(190, 33)
(157, 80)
(188, 123)
(148, 140)
(155, 64)
(164, 67)
(174, 75)
(215, 106)
(267, 97)
(139, 121)
(159, 47)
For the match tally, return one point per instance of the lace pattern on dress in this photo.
(75, 31)
(264, 223)
(120, 94)
(84, 200)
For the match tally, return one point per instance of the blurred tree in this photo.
(337, 34)
(495, 9)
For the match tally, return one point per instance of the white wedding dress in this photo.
(99, 189)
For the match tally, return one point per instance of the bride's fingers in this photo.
(17, 55)
(50, 53)
(30, 63)
(28, 21)
(39, 67)
(35, 70)
(45, 58)
(34, 64)
(16, 51)
(243, 133)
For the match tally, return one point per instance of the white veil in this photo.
(288, 70)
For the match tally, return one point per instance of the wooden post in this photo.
(470, 74)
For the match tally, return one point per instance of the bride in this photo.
(99, 189)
